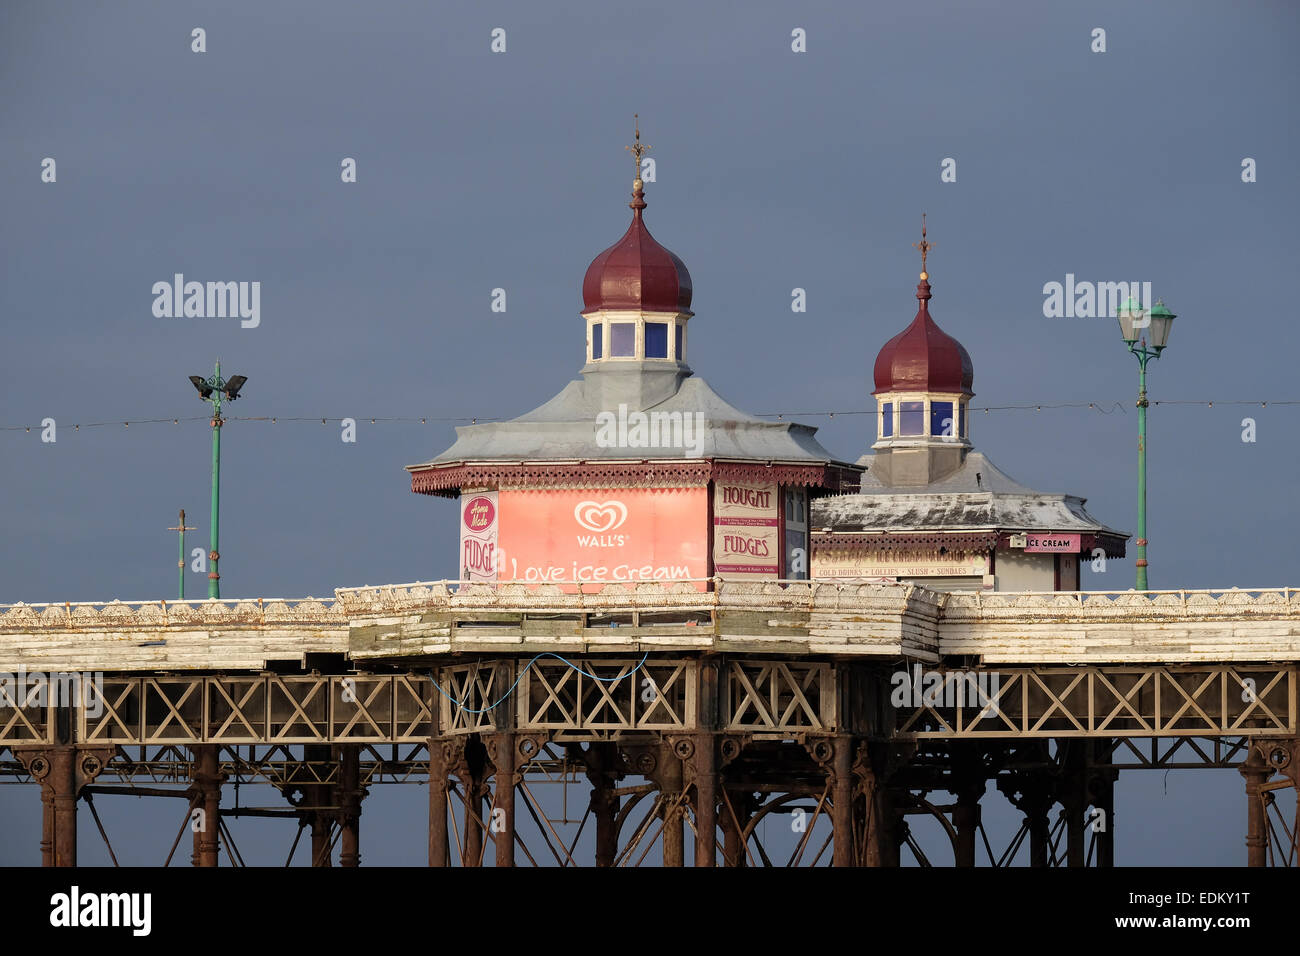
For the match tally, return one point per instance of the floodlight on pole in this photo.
(211, 390)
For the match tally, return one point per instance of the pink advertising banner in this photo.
(600, 536)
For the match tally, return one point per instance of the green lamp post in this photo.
(211, 390)
(1149, 326)
(181, 528)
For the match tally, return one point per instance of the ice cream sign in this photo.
(600, 536)
(1041, 543)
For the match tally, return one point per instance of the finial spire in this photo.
(925, 246)
(639, 147)
(638, 187)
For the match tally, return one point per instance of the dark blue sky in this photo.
(775, 170)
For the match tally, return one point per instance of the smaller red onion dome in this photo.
(637, 272)
(924, 358)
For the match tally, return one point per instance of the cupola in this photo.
(636, 294)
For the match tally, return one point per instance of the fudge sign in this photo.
(478, 536)
(746, 530)
(480, 512)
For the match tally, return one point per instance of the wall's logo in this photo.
(479, 513)
(600, 517)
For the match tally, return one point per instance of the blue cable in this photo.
(511, 690)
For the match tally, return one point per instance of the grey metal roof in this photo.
(959, 502)
(565, 428)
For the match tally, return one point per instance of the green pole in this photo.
(180, 556)
(1142, 473)
(214, 578)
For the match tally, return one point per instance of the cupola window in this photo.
(622, 339)
(911, 418)
(656, 340)
(942, 422)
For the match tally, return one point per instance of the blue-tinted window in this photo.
(911, 418)
(796, 556)
(597, 340)
(887, 426)
(681, 356)
(622, 339)
(942, 423)
(961, 419)
(656, 340)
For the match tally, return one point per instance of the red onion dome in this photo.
(637, 272)
(923, 358)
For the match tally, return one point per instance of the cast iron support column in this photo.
(881, 830)
(61, 770)
(1256, 772)
(59, 795)
(968, 788)
(350, 795)
(1036, 806)
(439, 845)
(600, 759)
(966, 821)
(733, 830)
(706, 768)
(205, 791)
(1074, 801)
(316, 799)
(503, 813)
(842, 801)
(706, 800)
(472, 775)
(1101, 788)
(671, 782)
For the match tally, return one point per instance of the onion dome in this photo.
(923, 357)
(637, 272)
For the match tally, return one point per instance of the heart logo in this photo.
(600, 516)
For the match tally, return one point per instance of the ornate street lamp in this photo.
(211, 390)
(1139, 327)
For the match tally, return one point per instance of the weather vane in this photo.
(925, 246)
(638, 148)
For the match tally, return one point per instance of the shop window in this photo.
(796, 557)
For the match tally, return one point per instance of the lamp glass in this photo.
(1162, 321)
(1129, 314)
